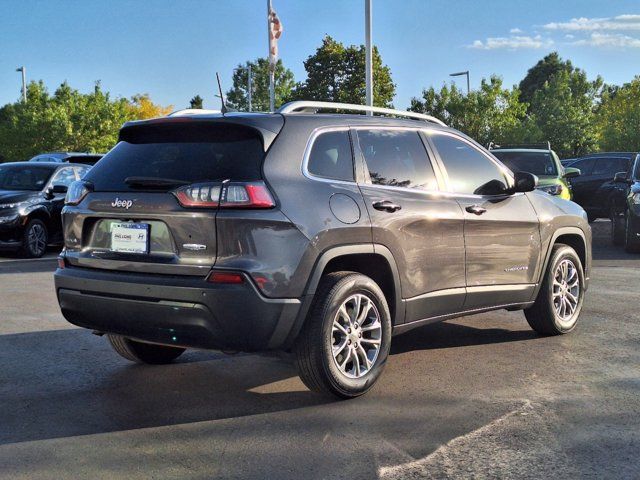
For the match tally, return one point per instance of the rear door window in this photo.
(190, 153)
(397, 158)
(331, 156)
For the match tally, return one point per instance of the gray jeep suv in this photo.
(322, 234)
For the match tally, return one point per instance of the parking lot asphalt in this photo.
(481, 396)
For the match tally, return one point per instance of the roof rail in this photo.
(309, 106)
(191, 111)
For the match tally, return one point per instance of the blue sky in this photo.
(172, 49)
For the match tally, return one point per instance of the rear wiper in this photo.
(154, 182)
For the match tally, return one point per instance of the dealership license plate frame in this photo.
(140, 237)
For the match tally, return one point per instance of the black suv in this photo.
(625, 210)
(594, 190)
(319, 233)
(31, 199)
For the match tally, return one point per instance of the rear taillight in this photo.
(227, 195)
(202, 195)
(77, 191)
(246, 195)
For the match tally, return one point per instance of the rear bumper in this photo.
(175, 310)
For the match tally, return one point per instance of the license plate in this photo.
(130, 237)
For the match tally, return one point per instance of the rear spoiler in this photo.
(533, 146)
(268, 126)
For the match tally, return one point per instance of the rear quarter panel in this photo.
(306, 203)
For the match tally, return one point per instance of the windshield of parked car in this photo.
(636, 173)
(22, 177)
(538, 163)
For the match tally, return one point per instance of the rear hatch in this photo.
(150, 204)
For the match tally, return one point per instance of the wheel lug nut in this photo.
(359, 334)
(356, 325)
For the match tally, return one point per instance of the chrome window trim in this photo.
(441, 193)
(307, 153)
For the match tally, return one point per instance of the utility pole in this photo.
(272, 91)
(249, 86)
(368, 54)
(459, 74)
(24, 83)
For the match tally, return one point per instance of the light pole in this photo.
(368, 54)
(249, 83)
(272, 88)
(459, 74)
(24, 83)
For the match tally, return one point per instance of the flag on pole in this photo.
(275, 31)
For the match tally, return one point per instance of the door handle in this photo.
(386, 206)
(475, 209)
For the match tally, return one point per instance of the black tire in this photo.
(617, 227)
(140, 352)
(542, 315)
(631, 240)
(35, 239)
(313, 348)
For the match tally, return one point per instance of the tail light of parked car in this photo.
(77, 191)
(226, 195)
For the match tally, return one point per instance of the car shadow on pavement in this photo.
(30, 266)
(65, 383)
(451, 335)
(68, 382)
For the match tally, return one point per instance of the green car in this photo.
(542, 162)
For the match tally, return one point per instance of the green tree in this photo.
(618, 118)
(67, 120)
(541, 73)
(491, 113)
(196, 102)
(336, 73)
(564, 111)
(283, 79)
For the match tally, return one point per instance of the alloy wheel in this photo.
(566, 290)
(37, 238)
(356, 336)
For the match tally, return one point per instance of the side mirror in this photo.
(572, 172)
(59, 189)
(492, 187)
(524, 182)
(620, 177)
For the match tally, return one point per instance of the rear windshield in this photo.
(193, 153)
(538, 163)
